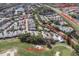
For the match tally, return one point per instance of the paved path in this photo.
(57, 53)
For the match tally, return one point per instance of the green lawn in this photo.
(6, 44)
(63, 50)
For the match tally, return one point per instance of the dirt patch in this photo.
(9, 52)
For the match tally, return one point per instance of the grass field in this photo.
(63, 50)
(7, 44)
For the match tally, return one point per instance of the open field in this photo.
(21, 47)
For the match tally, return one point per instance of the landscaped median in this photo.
(38, 25)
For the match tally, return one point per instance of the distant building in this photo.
(19, 10)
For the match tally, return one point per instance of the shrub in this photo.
(23, 37)
(77, 49)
